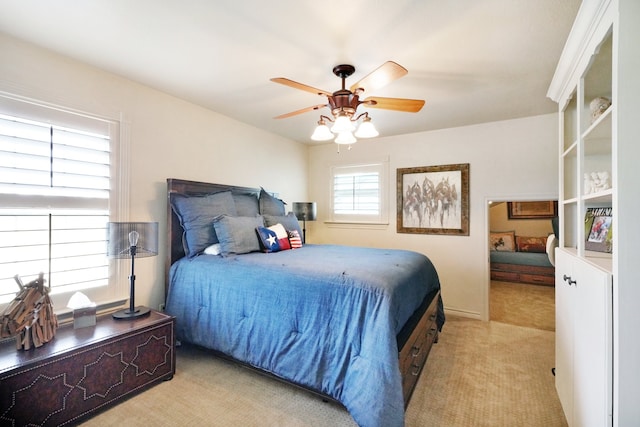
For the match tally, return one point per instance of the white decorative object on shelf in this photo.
(603, 182)
(598, 106)
(595, 182)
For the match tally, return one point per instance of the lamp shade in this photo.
(121, 236)
(322, 133)
(367, 129)
(305, 211)
(342, 124)
(345, 138)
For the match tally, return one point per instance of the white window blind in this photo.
(357, 193)
(55, 184)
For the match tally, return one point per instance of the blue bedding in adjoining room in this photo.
(322, 316)
(521, 258)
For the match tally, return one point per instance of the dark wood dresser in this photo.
(85, 370)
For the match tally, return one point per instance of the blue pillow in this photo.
(246, 204)
(237, 234)
(270, 205)
(289, 221)
(196, 214)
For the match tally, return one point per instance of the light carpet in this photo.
(479, 374)
(523, 305)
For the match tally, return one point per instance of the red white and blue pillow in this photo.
(274, 238)
(294, 239)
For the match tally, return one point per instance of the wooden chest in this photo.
(85, 370)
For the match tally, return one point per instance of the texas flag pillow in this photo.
(274, 238)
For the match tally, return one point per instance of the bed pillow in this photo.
(196, 215)
(270, 205)
(289, 221)
(274, 238)
(237, 234)
(503, 241)
(246, 204)
(294, 239)
(213, 249)
(531, 244)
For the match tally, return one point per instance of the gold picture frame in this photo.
(532, 210)
(433, 199)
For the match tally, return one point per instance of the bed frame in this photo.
(531, 274)
(414, 340)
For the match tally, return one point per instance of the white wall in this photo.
(170, 138)
(509, 160)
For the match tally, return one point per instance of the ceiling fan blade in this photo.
(300, 86)
(380, 77)
(303, 110)
(397, 104)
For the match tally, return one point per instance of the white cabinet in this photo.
(583, 341)
(601, 58)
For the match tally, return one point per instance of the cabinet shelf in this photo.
(603, 197)
(600, 128)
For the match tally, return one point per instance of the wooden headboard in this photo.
(174, 229)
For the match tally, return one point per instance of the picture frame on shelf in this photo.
(598, 230)
(433, 199)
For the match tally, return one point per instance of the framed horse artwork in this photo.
(433, 200)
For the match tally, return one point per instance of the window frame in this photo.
(116, 291)
(382, 169)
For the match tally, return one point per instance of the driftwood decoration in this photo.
(29, 317)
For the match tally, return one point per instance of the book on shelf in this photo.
(598, 230)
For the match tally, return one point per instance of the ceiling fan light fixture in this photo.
(322, 132)
(342, 124)
(345, 138)
(367, 129)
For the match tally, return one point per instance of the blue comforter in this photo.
(323, 316)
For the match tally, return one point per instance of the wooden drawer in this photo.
(540, 280)
(414, 353)
(506, 276)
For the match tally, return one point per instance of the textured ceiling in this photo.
(473, 61)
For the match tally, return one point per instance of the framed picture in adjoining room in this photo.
(433, 199)
(532, 210)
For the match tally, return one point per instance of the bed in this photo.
(352, 324)
(520, 259)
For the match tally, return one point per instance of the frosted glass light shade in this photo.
(322, 133)
(345, 138)
(342, 124)
(366, 129)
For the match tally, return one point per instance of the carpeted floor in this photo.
(520, 304)
(479, 374)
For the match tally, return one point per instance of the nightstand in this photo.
(85, 370)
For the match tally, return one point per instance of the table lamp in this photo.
(131, 240)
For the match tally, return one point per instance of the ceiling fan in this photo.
(344, 103)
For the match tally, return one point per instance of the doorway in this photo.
(521, 282)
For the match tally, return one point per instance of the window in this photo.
(56, 190)
(358, 193)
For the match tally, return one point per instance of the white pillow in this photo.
(213, 249)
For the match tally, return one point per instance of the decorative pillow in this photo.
(213, 249)
(531, 244)
(196, 214)
(274, 238)
(270, 205)
(246, 204)
(237, 234)
(294, 239)
(289, 221)
(504, 241)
